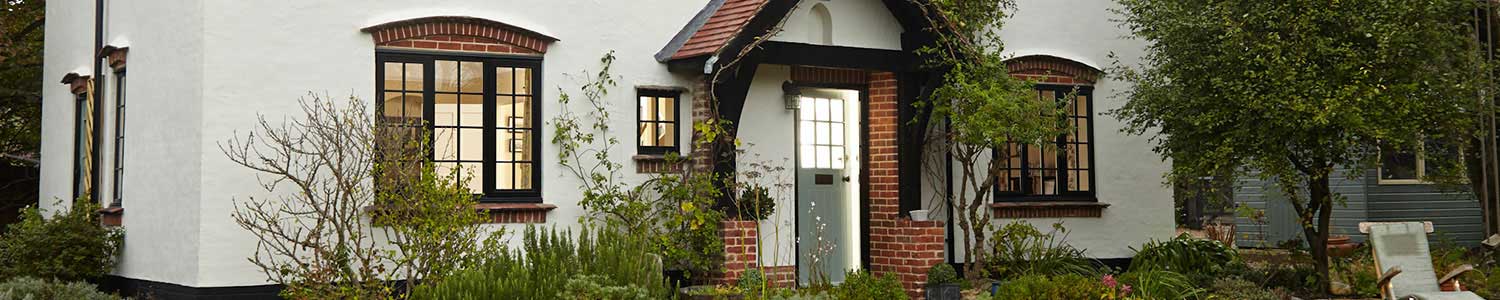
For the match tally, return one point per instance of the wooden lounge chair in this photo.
(1404, 262)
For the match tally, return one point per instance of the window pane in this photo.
(523, 81)
(1084, 160)
(822, 109)
(666, 111)
(836, 112)
(1396, 164)
(392, 76)
(473, 77)
(505, 174)
(664, 133)
(646, 109)
(522, 145)
(836, 134)
(391, 106)
(808, 158)
(471, 144)
(806, 132)
(822, 132)
(475, 174)
(472, 109)
(446, 72)
(647, 131)
(505, 80)
(825, 157)
(523, 112)
(414, 77)
(806, 108)
(1083, 181)
(523, 176)
(445, 143)
(445, 110)
(1081, 108)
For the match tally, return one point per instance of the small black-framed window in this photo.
(657, 130)
(83, 145)
(119, 142)
(1061, 170)
(481, 112)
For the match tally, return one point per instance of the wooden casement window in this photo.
(481, 113)
(1062, 170)
(656, 121)
(83, 144)
(119, 147)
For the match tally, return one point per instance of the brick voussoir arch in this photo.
(1052, 69)
(459, 33)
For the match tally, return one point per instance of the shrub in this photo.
(1202, 260)
(1160, 284)
(861, 285)
(33, 288)
(941, 274)
(752, 282)
(70, 246)
(1042, 287)
(1020, 249)
(756, 204)
(1358, 271)
(595, 287)
(620, 265)
(1239, 289)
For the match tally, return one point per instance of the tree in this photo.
(986, 110)
(21, 23)
(1296, 89)
(357, 203)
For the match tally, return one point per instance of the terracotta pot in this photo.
(1340, 246)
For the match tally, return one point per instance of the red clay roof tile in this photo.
(728, 20)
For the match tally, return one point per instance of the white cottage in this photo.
(200, 70)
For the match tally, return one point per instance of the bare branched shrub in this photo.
(330, 170)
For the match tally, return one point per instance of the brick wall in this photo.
(741, 249)
(898, 246)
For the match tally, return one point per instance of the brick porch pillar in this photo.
(898, 246)
(741, 253)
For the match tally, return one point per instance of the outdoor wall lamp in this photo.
(791, 94)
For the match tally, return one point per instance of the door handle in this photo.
(846, 178)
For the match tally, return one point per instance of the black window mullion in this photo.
(488, 104)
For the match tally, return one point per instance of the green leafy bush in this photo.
(861, 285)
(1358, 271)
(618, 265)
(1020, 249)
(595, 287)
(70, 246)
(1160, 284)
(1200, 259)
(752, 282)
(1042, 287)
(1239, 289)
(941, 274)
(756, 204)
(39, 289)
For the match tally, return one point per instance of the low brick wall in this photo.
(907, 249)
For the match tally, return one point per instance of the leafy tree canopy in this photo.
(21, 23)
(1294, 88)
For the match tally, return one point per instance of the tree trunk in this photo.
(1320, 202)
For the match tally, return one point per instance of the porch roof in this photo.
(713, 27)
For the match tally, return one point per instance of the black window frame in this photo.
(676, 123)
(119, 143)
(428, 59)
(81, 113)
(1063, 194)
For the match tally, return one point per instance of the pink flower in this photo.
(1109, 280)
(1124, 290)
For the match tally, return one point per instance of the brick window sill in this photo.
(655, 163)
(1048, 209)
(111, 216)
(505, 213)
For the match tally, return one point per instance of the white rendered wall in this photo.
(162, 167)
(260, 58)
(768, 133)
(856, 23)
